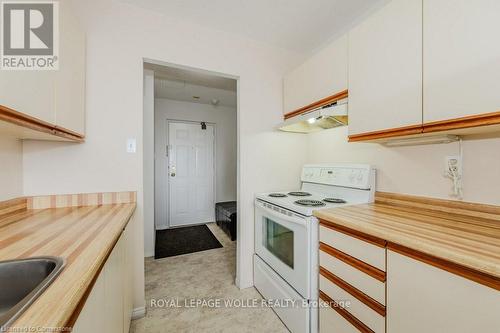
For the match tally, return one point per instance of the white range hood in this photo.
(325, 117)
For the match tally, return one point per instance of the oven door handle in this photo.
(270, 212)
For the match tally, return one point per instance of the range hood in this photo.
(325, 117)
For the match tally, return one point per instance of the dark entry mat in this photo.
(173, 242)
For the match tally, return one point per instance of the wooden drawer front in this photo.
(332, 322)
(358, 309)
(369, 253)
(358, 279)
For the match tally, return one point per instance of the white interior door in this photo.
(191, 173)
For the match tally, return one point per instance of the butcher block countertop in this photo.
(83, 236)
(463, 238)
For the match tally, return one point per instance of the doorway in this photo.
(191, 142)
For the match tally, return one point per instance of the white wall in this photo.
(11, 168)
(224, 119)
(119, 36)
(417, 170)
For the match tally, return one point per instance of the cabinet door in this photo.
(113, 288)
(29, 92)
(92, 316)
(127, 276)
(322, 75)
(461, 58)
(423, 298)
(70, 79)
(385, 69)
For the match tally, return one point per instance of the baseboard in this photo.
(138, 313)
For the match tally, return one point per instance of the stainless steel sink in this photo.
(22, 281)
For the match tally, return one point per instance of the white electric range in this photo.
(286, 237)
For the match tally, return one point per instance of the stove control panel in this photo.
(353, 175)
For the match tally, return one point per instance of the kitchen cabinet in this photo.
(49, 101)
(114, 290)
(321, 76)
(29, 92)
(423, 298)
(461, 52)
(385, 70)
(127, 276)
(108, 307)
(92, 315)
(69, 81)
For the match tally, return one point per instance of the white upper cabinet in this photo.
(322, 75)
(70, 79)
(54, 98)
(461, 58)
(385, 69)
(29, 92)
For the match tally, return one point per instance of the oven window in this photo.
(279, 241)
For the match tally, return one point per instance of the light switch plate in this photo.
(131, 145)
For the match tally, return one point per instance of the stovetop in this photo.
(311, 200)
(326, 186)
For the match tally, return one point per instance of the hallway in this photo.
(201, 275)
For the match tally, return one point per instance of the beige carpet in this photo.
(203, 275)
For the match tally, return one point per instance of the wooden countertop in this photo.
(84, 236)
(463, 234)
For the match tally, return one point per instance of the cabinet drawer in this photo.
(358, 279)
(358, 309)
(366, 252)
(332, 322)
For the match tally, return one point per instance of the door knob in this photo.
(172, 174)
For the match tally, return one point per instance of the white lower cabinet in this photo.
(331, 321)
(423, 298)
(127, 276)
(109, 305)
(114, 289)
(346, 276)
(91, 317)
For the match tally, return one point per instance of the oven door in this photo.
(282, 241)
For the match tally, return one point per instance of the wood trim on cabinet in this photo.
(354, 262)
(322, 102)
(361, 296)
(485, 119)
(345, 314)
(354, 233)
(387, 133)
(457, 269)
(20, 119)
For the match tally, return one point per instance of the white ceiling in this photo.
(187, 92)
(193, 86)
(297, 25)
(192, 76)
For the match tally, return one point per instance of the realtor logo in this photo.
(30, 35)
